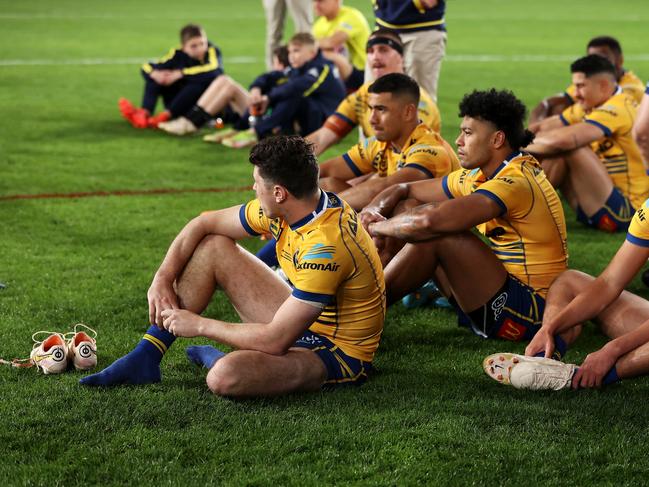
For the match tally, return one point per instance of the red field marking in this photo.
(125, 192)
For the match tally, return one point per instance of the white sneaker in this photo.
(178, 126)
(532, 373)
(82, 348)
(51, 354)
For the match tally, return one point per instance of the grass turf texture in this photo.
(429, 416)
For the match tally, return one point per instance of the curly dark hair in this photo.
(593, 64)
(287, 160)
(502, 109)
(400, 85)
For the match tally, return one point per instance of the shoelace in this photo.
(72, 334)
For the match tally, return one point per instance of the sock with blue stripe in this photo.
(204, 355)
(560, 349)
(140, 366)
(611, 377)
(268, 255)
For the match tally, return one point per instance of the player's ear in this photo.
(279, 193)
(499, 139)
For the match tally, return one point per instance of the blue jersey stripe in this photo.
(642, 242)
(492, 196)
(605, 129)
(317, 297)
(352, 166)
(244, 221)
(445, 187)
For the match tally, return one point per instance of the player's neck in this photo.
(400, 142)
(496, 160)
(298, 209)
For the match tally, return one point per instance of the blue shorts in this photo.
(341, 368)
(514, 313)
(614, 216)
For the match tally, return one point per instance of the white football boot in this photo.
(531, 373)
(178, 126)
(82, 347)
(50, 355)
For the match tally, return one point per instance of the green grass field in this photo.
(430, 416)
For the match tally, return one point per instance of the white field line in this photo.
(453, 58)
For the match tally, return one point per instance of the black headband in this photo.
(373, 41)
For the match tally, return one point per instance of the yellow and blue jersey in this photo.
(210, 66)
(638, 232)
(425, 150)
(529, 236)
(330, 260)
(354, 110)
(629, 82)
(408, 15)
(353, 23)
(616, 149)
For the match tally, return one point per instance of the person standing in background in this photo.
(302, 13)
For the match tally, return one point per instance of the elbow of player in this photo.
(276, 347)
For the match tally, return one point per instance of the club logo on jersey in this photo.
(320, 251)
(498, 304)
(275, 229)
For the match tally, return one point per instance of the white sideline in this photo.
(453, 58)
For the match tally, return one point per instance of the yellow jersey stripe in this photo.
(147, 68)
(319, 81)
(212, 64)
(419, 6)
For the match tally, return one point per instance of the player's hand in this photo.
(173, 76)
(543, 341)
(370, 215)
(594, 368)
(161, 296)
(255, 96)
(428, 4)
(158, 76)
(182, 323)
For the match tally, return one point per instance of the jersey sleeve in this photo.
(346, 110)
(638, 233)
(168, 61)
(513, 194)
(453, 183)
(209, 69)
(252, 218)
(351, 23)
(428, 112)
(610, 118)
(573, 114)
(359, 157)
(321, 267)
(432, 160)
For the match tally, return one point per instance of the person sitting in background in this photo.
(384, 56)
(180, 78)
(604, 46)
(342, 33)
(229, 101)
(301, 104)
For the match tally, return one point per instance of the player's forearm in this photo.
(415, 225)
(628, 342)
(361, 195)
(322, 139)
(260, 337)
(386, 201)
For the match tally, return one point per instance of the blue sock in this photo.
(140, 366)
(611, 377)
(204, 355)
(268, 254)
(560, 349)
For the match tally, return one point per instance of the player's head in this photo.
(492, 125)
(283, 164)
(327, 8)
(193, 41)
(280, 58)
(608, 47)
(384, 53)
(594, 78)
(393, 100)
(302, 48)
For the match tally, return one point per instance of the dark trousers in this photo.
(308, 114)
(178, 98)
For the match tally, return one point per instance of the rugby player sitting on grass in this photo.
(588, 151)
(498, 288)
(576, 297)
(322, 330)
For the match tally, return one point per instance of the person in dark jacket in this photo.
(180, 78)
(311, 93)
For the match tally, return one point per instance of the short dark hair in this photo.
(303, 39)
(281, 53)
(190, 31)
(593, 64)
(606, 41)
(502, 109)
(398, 84)
(287, 160)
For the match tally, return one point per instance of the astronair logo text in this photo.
(331, 266)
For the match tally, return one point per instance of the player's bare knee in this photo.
(223, 379)
(214, 244)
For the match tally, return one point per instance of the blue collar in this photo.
(505, 162)
(322, 205)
